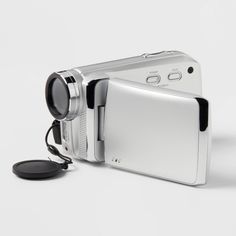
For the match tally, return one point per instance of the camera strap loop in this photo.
(54, 151)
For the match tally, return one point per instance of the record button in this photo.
(153, 79)
(175, 76)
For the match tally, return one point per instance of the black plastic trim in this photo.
(70, 79)
(57, 132)
(203, 113)
(90, 93)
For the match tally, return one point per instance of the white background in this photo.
(39, 37)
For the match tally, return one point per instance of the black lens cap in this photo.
(37, 169)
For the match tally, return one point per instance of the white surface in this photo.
(37, 38)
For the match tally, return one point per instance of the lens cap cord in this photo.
(42, 169)
(53, 150)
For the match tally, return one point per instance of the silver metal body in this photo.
(82, 136)
(157, 132)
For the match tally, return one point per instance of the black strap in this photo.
(53, 150)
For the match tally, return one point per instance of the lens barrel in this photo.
(62, 95)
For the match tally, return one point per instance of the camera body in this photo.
(81, 105)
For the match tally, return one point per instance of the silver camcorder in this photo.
(144, 114)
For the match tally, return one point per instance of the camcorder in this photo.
(143, 114)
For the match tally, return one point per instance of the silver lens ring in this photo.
(62, 95)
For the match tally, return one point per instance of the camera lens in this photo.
(57, 96)
(60, 96)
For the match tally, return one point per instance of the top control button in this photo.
(175, 76)
(153, 79)
(147, 55)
